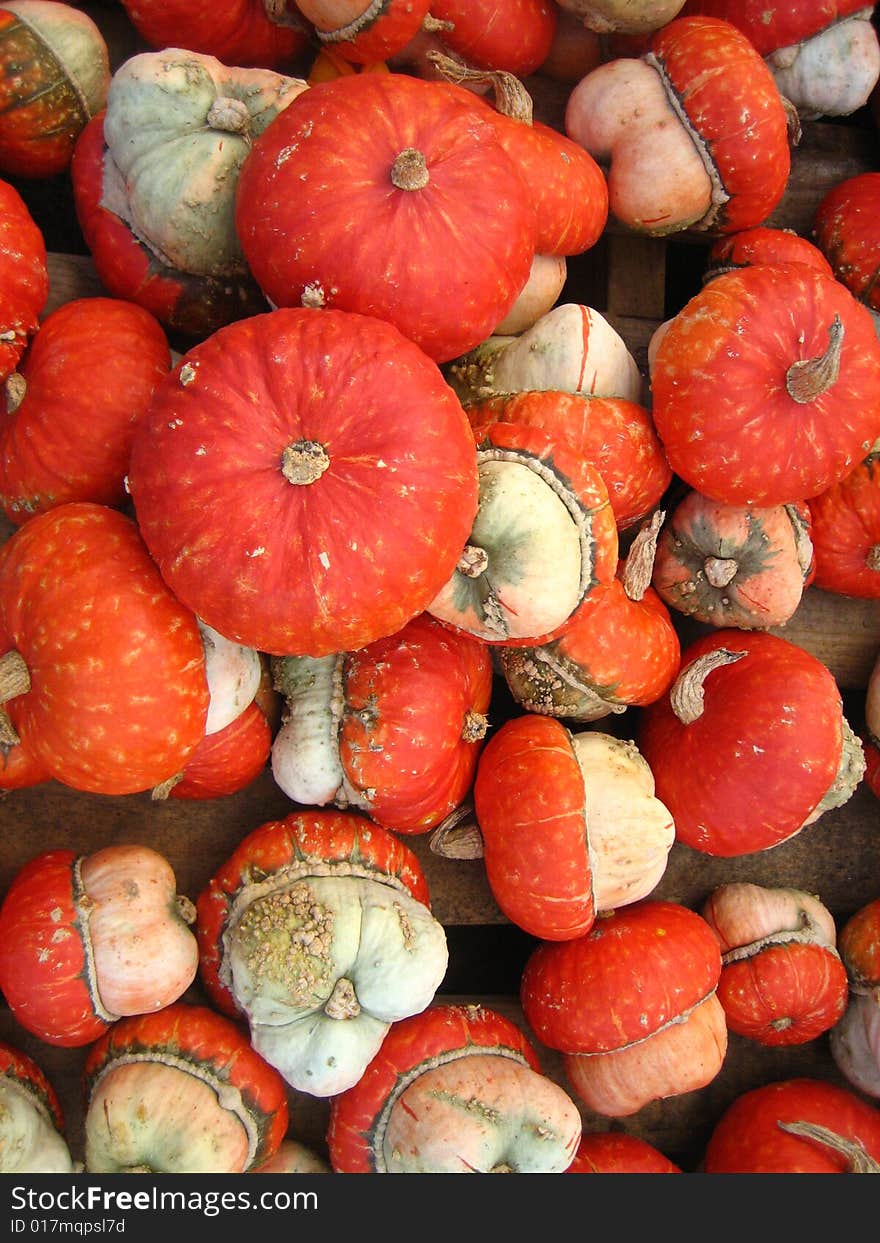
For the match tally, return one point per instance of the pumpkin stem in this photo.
(458, 836)
(15, 678)
(161, 791)
(229, 114)
(342, 1002)
(639, 565)
(435, 25)
(185, 908)
(410, 170)
(858, 1159)
(476, 725)
(807, 379)
(304, 461)
(686, 694)
(473, 561)
(872, 559)
(511, 97)
(720, 571)
(16, 387)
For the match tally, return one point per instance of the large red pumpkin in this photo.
(393, 197)
(103, 666)
(24, 277)
(766, 385)
(305, 480)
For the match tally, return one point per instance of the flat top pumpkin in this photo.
(388, 195)
(306, 480)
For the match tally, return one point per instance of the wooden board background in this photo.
(637, 282)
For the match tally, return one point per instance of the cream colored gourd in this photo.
(630, 831)
(538, 295)
(178, 126)
(323, 965)
(144, 953)
(834, 72)
(481, 1112)
(571, 349)
(632, 17)
(29, 1141)
(233, 673)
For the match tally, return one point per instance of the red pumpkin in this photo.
(183, 302)
(80, 936)
(735, 780)
(569, 823)
(616, 435)
(238, 32)
(846, 230)
(624, 650)
(54, 75)
(846, 532)
(795, 1126)
(764, 244)
(24, 277)
(180, 1092)
(100, 710)
(617, 1152)
(393, 1120)
(226, 761)
(782, 978)
(361, 32)
(515, 35)
(442, 254)
(632, 1006)
(93, 365)
(349, 514)
(394, 729)
(771, 354)
(707, 145)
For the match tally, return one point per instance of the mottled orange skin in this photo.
(637, 970)
(734, 105)
(333, 839)
(389, 31)
(74, 381)
(23, 1070)
(784, 995)
(24, 277)
(411, 1043)
(616, 435)
(515, 35)
(229, 760)
(772, 24)
(765, 244)
(319, 567)
(407, 702)
(617, 1152)
(194, 306)
(237, 32)
(749, 1140)
(626, 650)
(530, 803)
(113, 655)
(846, 227)
(846, 533)
(444, 262)
(197, 1035)
(719, 386)
(859, 944)
(41, 109)
(43, 971)
(748, 771)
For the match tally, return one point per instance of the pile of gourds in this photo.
(330, 460)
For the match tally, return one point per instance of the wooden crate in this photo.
(636, 282)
